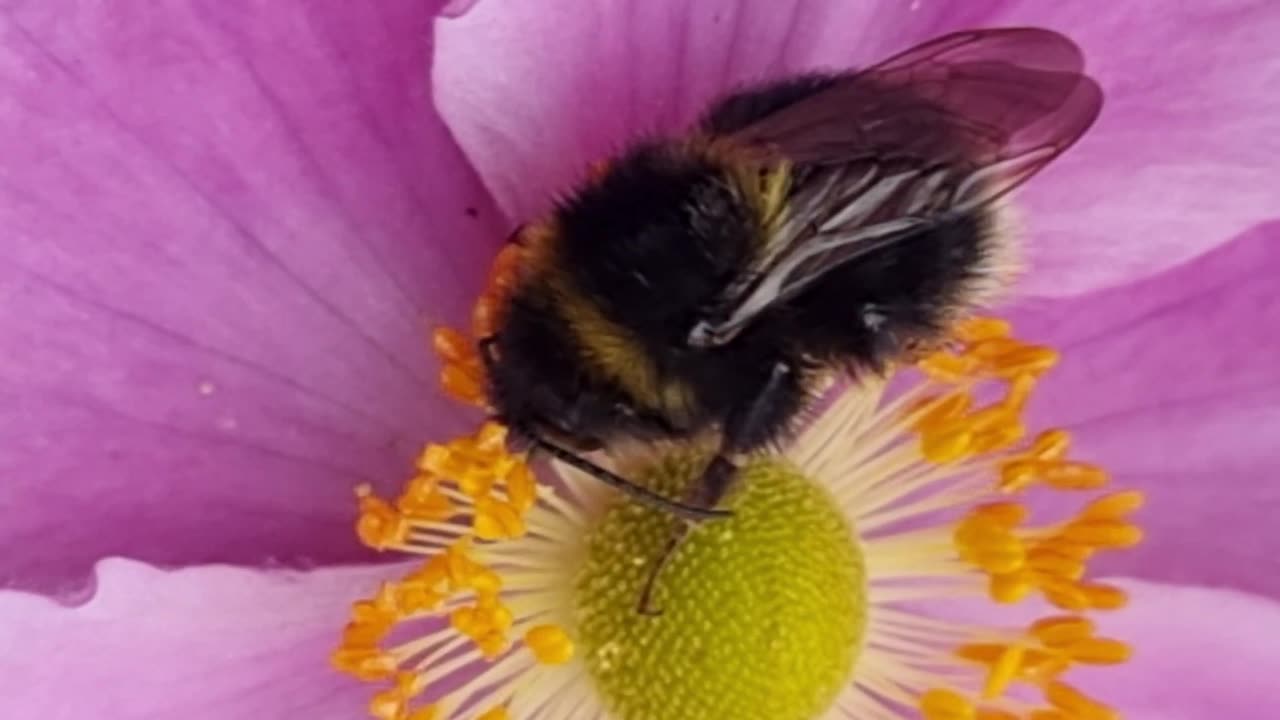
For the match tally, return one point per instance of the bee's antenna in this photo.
(639, 493)
(678, 534)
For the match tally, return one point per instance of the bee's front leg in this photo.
(720, 475)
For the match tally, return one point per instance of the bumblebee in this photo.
(706, 285)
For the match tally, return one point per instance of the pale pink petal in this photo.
(537, 91)
(1173, 384)
(1186, 152)
(228, 228)
(1183, 157)
(1198, 653)
(206, 643)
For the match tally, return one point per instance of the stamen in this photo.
(550, 644)
(946, 705)
(497, 549)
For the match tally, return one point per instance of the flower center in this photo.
(781, 581)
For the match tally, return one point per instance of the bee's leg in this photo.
(742, 433)
(686, 511)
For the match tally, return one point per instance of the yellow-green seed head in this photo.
(762, 614)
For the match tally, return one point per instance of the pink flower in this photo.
(229, 226)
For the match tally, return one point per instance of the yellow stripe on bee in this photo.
(617, 353)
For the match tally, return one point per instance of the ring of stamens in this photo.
(470, 499)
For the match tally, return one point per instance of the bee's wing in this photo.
(884, 153)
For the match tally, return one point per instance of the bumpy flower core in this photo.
(526, 604)
(781, 582)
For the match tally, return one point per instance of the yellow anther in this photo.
(433, 572)
(1062, 630)
(1051, 445)
(466, 621)
(1063, 594)
(1000, 559)
(1057, 546)
(368, 664)
(422, 500)
(985, 653)
(452, 346)
(1099, 651)
(491, 439)
(995, 348)
(497, 713)
(506, 264)
(977, 329)
(1019, 393)
(1103, 533)
(945, 448)
(550, 644)
(1018, 474)
(1051, 563)
(485, 581)
(379, 525)
(1028, 360)
(992, 417)
(1074, 475)
(416, 595)
(497, 520)
(1041, 667)
(940, 704)
(1003, 671)
(948, 367)
(1114, 506)
(439, 461)
(991, 714)
(392, 703)
(374, 612)
(485, 315)
(999, 437)
(462, 384)
(1101, 596)
(939, 411)
(979, 530)
(387, 705)
(1076, 704)
(1009, 589)
(522, 488)
(459, 565)
(501, 618)
(492, 644)
(476, 481)
(364, 635)
(1005, 514)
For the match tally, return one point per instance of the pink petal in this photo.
(1174, 385)
(201, 643)
(1182, 158)
(1198, 653)
(1187, 149)
(535, 92)
(228, 229)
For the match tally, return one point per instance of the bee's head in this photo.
(538, 392)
